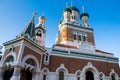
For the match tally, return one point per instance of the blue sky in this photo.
(104, 19)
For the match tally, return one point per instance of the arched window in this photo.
(75, 36)
(44, 76)
(30, 61)
(101, 76)
(10, 59)
(84, 38)
(45, 72)
(46, 58)
(113, 77)
(39, 33)
(89, 75)
(74, 17)
(79, 37)
(61, 75)
(78, 75)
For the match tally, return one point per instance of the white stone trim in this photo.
(20, 53)
(46, 62)
(89, 67)
(114, 73)
(45, 69)
(64, 69)
(32, 57)
(14, 44)
(7, 56)
(75, 28)
(79, 57)
(41, 60)
(103, 76)
(27, 44)
(77, 72)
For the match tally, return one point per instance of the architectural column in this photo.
(36, 76)
(16, 73)
(1, 73)
(82, 77)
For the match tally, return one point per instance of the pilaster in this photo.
(16, 73)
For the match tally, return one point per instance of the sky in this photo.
(104, 19)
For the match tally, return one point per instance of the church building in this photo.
(73, 56)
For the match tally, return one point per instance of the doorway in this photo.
(8, 74)
(26, 74)
(89, 75)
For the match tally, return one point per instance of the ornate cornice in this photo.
(27, 41)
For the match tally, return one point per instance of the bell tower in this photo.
(40, 31)
(84, 17)
(72, 34)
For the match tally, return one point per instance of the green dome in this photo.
(84, 14)
(67, 9)
(60, 22)
(74, 8)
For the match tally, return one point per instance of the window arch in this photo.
(74, 35)
(46, 58)
(62, 72)
(61, 75)
(30, 61)
(11, 56)
(101, 75)
(10, 59)
(8, 67)
(45, 72)
(113, 77)
(79, 36)
(78, 75)
(38, 33)
(91, 71)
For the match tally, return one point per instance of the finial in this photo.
(43, 13)
(66, 4)
(71, 3)
(34, 13)
(83, 9)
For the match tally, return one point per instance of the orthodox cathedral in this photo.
(72, 57)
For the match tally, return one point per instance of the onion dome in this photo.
(42, 18)
(74, 9)
(67, 9)
(60, 22)
(84, 14)
(40, 27)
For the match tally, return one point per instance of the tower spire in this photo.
(33, 16)
(34, 13)
(83, 9)
(66, 4)
(29, 29)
